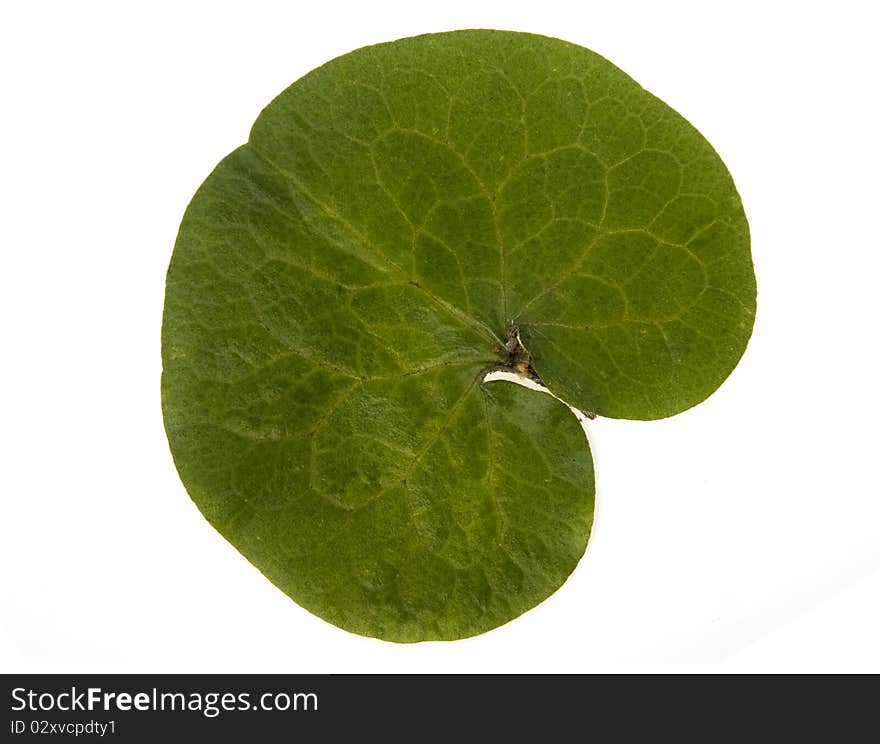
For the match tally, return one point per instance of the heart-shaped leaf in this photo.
(404, 220)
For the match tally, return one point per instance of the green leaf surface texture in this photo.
(341, 284)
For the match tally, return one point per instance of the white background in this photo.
(743, 535)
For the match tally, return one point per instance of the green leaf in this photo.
(402, 221)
